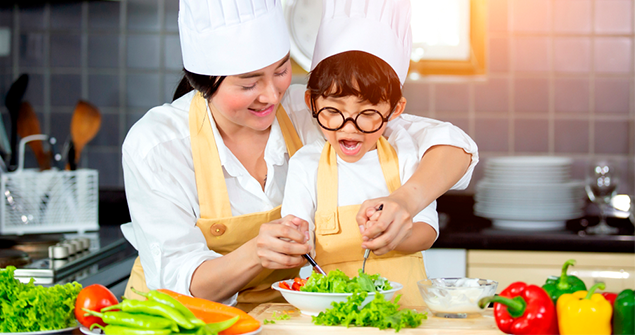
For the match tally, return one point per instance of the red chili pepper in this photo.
(284, 285)
(523, 309)
(609, 296)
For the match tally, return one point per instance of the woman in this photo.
(205, 175)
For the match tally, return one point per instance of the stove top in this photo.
(68, 257)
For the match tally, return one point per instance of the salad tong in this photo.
(367, 251)
(314, 264)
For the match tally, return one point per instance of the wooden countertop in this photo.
(301, 324)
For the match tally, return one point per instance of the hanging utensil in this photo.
(56, 156)
(367, 251)
(28, 125)
(12, 101)
(70, 156)
(84, 126)
(5, 146)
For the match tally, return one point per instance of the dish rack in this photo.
(48, 201)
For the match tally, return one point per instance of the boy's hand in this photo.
(281, 243)
(383, 231)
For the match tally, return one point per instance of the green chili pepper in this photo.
(134, 320)
(220, 326)
(212, 328)
(120, 330)
(168, 300)
(557, 286)
(624, 313)
(152, 308)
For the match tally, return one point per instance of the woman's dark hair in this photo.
(208, 85)
(355, 73)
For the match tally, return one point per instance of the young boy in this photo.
(360, 62)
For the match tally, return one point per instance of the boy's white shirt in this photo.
(161, 186)
(356, 182)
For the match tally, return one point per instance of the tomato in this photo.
(284, 285)
(93, 297)
(297, 283)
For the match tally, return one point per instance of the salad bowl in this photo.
(312, 303)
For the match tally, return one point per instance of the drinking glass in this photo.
(602, 180)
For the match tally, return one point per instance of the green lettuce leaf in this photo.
(30, 307)
(337, 281)
(378, 313)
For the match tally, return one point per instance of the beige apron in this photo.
(224, 232)
(338, 240)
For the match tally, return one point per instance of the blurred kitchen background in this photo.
(559, 78)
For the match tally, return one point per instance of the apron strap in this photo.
(207, 165)
(389, 164)
(327, 183)
(326, 211)
(291, 138)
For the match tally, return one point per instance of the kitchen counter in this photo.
(114, 270)
(301, 324)
(464, 230)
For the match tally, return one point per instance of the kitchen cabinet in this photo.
(616, 270)
(443, 263)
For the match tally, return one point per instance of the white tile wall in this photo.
(614, 17)
(572, 54)
(561, 82)
(572, 16)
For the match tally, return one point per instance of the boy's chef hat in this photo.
(379, 27)
(229, 37)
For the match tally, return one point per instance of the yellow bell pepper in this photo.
(584, 312)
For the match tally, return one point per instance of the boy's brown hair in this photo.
(355, 73)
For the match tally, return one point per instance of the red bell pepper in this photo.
(523, 309)
(609, 296)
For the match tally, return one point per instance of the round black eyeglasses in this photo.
(367, 121)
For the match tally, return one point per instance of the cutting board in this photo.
(301, 324)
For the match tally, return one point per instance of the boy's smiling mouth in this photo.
(350, 147)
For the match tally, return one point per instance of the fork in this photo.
(367, 251)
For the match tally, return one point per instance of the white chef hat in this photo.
(378, 27)
(230, 37)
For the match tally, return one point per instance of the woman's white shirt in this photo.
(161, 190)
(161, 187)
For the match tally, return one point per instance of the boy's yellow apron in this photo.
(224, 232)
(337, 237)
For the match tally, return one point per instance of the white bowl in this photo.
(312, 303)
(455, 297)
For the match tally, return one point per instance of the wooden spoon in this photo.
(84, 126)
(28, 125)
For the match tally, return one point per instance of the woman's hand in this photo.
(281, 243)
(382, 231)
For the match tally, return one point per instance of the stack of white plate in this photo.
(529, 193)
